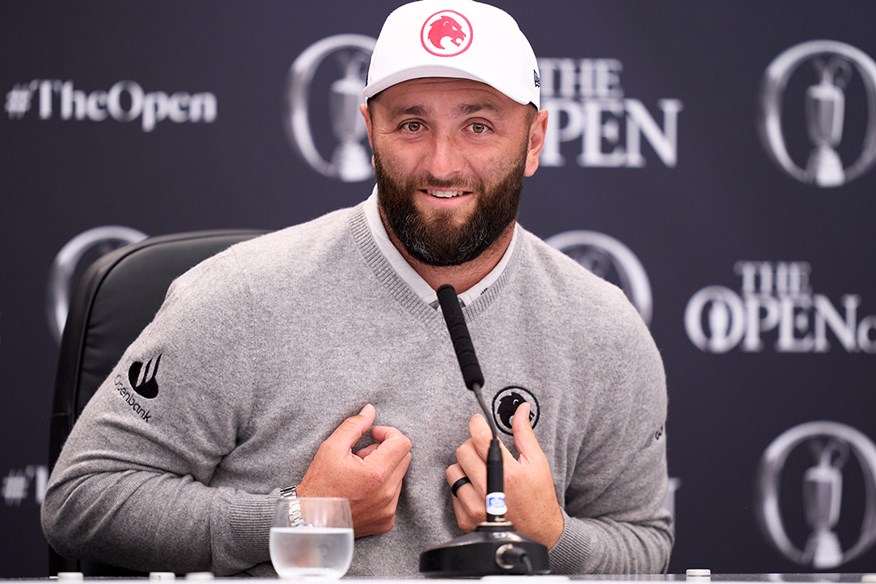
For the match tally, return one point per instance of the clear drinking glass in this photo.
(321, 546)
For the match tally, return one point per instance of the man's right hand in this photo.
(370, 478)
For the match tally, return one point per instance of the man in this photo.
(266, 348)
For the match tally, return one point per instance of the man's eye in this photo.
(478, 128)
(412, 126)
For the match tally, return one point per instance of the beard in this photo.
(437, 240)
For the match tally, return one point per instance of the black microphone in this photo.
(465, 353)
(474, 380)
(494, 548)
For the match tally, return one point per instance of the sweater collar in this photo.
(409, 275)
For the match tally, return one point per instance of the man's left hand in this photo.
(529, 487)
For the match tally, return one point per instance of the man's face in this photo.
(450, 156)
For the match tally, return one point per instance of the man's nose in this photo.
(446, 158)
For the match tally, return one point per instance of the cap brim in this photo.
(426, 71)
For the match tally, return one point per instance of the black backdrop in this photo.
(665, 175)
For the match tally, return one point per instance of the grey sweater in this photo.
(267, 347)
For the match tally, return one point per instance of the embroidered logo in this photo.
(446, 34)
(506, 402)
(142, 377)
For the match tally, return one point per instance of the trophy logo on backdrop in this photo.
(73, 258)
(337, 85)
(611, 260)
(831, 449)
(835, 72)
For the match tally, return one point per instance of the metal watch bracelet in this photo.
(291, 494)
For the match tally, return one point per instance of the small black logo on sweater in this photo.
(506, 402)
(142, 377)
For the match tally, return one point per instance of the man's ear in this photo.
(537, 133)
(366, 114)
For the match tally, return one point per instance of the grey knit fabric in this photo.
(267, 347)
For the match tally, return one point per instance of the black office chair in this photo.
(117, 297)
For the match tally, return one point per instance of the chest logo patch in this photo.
(506, 402)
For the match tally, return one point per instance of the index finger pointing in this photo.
(524, 436)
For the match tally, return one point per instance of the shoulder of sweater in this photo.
(588, 308)
(559, 275)
(308, 237)
(264, 255)
(247, 271)
(563, 292)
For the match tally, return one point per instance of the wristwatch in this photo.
(291, 494)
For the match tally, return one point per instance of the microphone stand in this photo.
(494, 547)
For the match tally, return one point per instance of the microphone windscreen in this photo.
(465, 353)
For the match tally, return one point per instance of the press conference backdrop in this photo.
(714, 159)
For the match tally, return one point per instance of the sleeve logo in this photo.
(142, 377)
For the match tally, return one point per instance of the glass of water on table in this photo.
(312, 537)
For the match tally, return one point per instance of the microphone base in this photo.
(492, 549)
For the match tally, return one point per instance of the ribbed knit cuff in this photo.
(569, 555)
(251, 517)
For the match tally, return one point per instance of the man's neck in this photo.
(463, 276)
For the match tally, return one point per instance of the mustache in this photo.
(445, 183)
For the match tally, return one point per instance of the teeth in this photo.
(445, 194)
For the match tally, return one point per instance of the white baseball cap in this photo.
(454, 38)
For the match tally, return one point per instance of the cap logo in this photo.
(446, 34)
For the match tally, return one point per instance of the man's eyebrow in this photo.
(473, 108)
(465, 109)
(413, 110)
